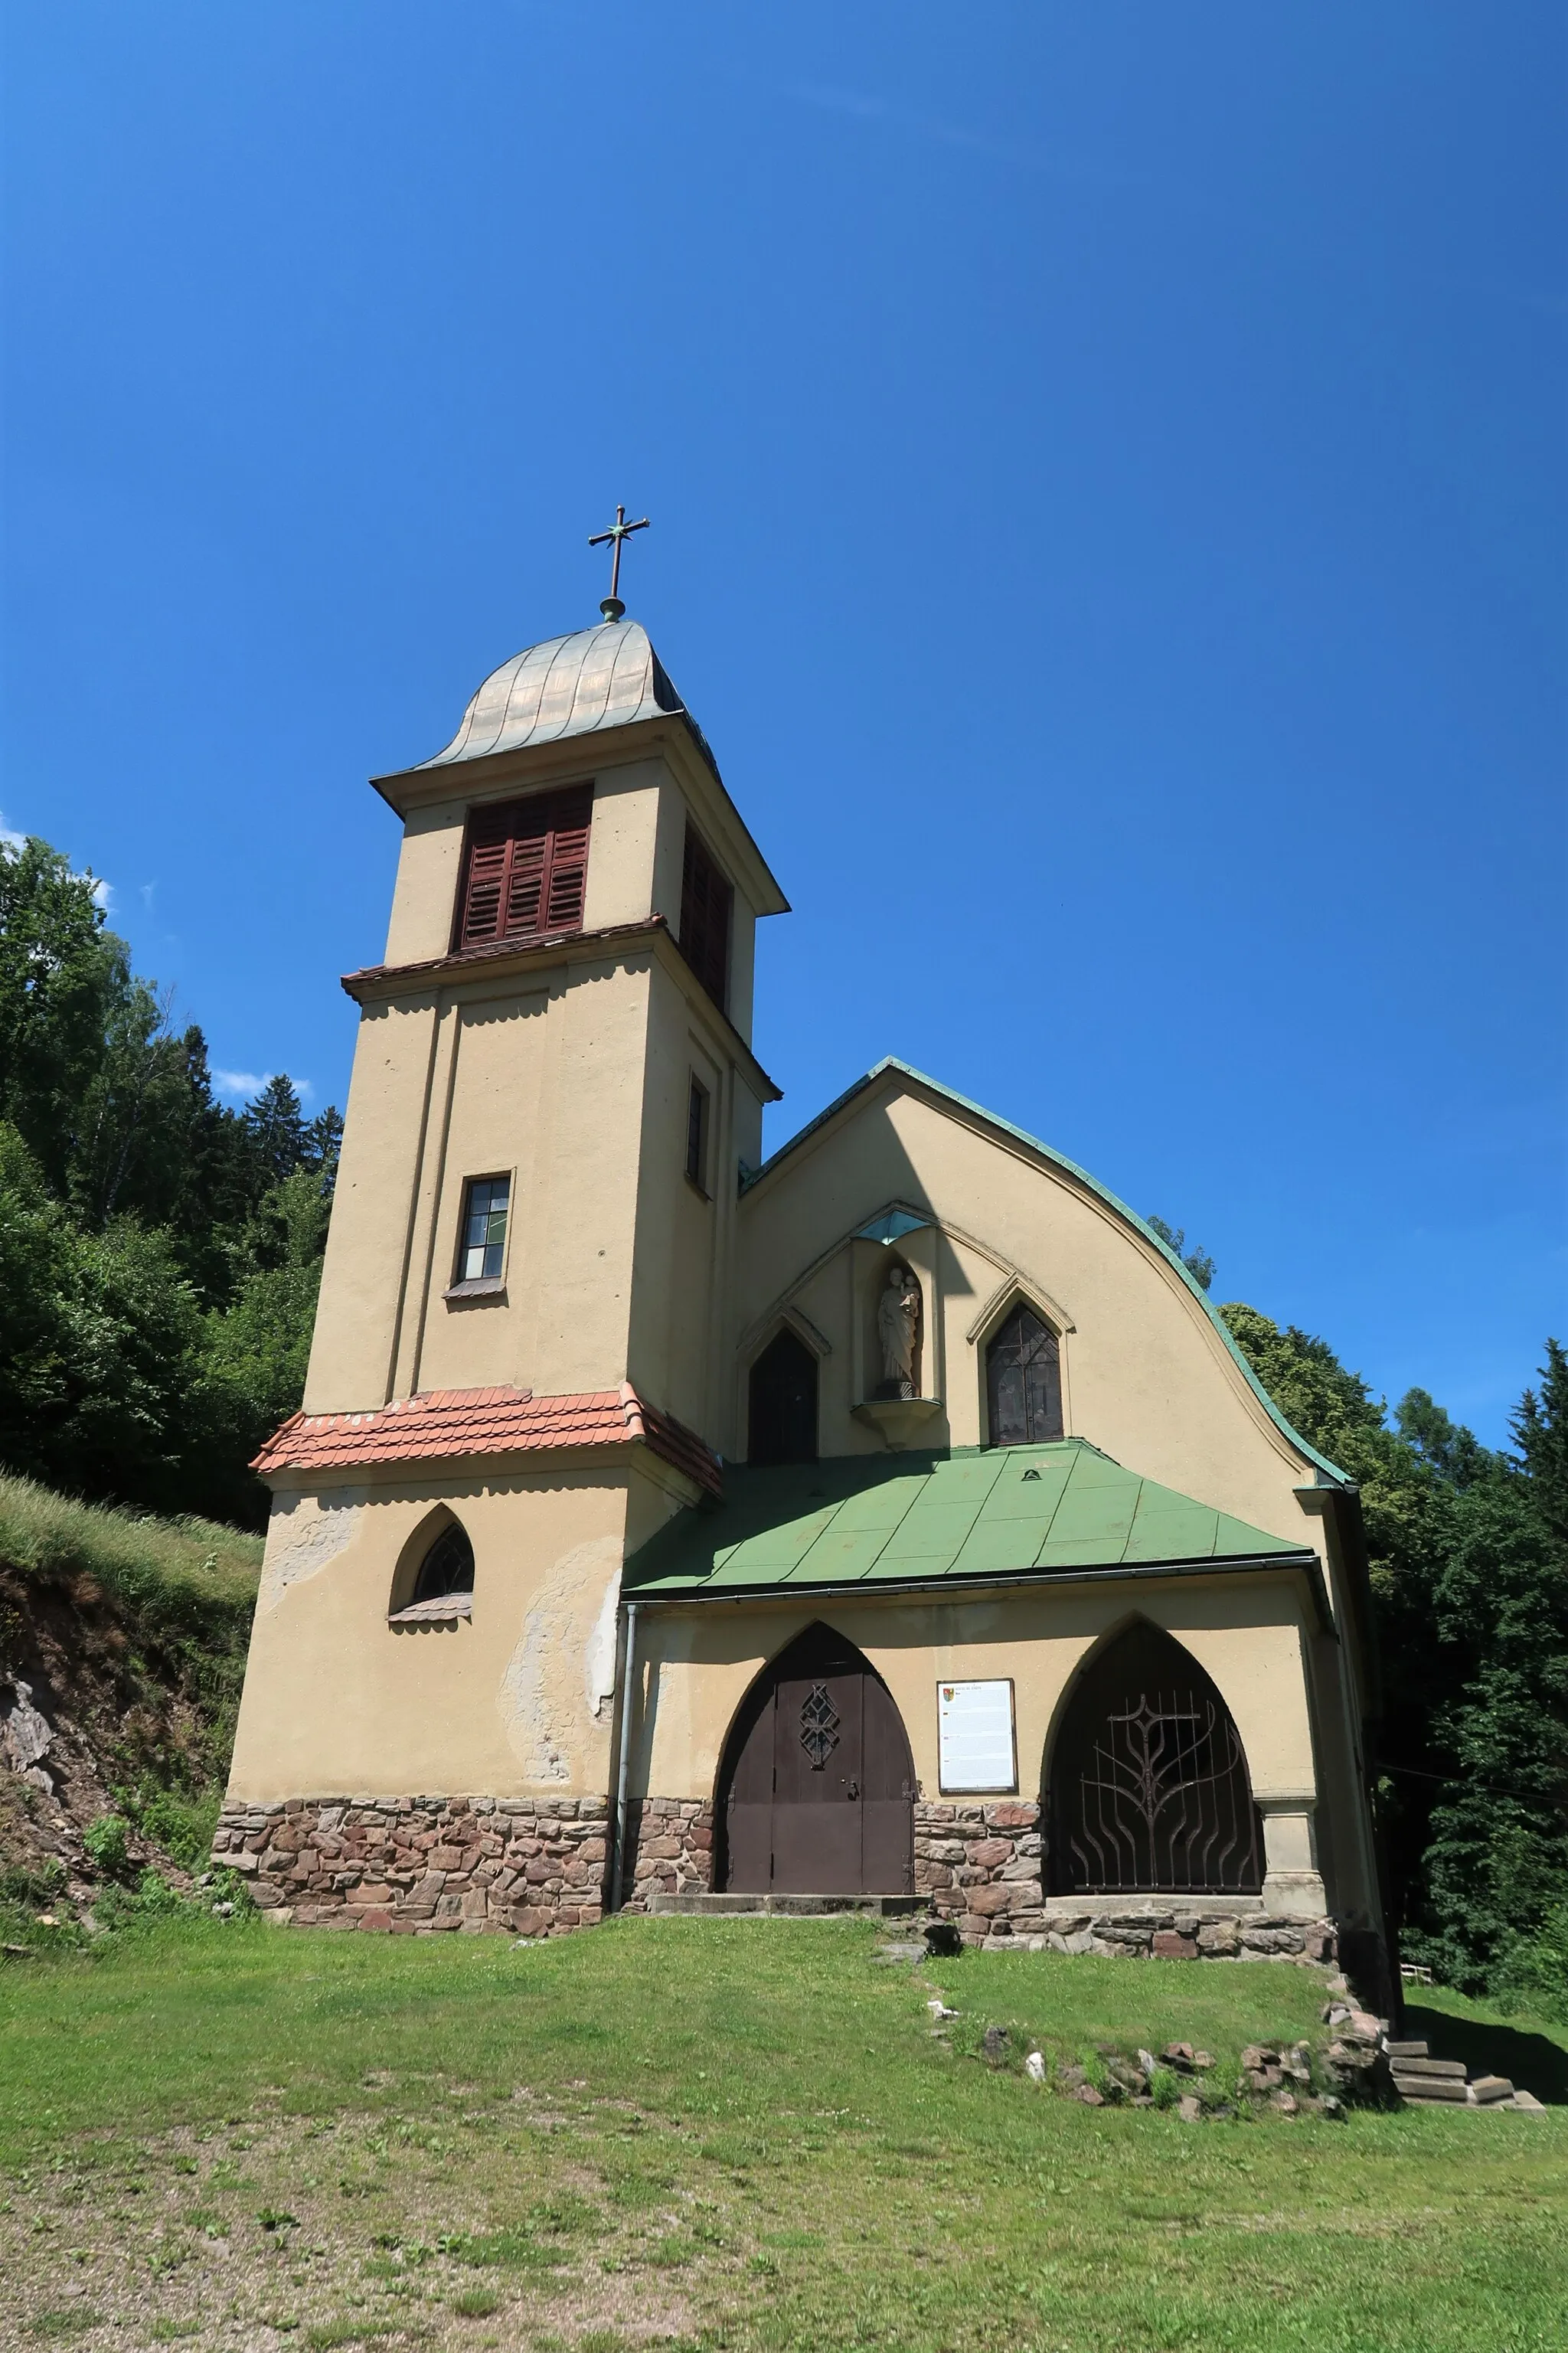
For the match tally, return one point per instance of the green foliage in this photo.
(1198, 1262)
(1534, 1973)
(159, 1254)
(1468, 1557)
(181, 1823)
(105, 1841)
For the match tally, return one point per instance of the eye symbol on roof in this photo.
(1031, 1474)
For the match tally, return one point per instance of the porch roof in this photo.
(919, 1518)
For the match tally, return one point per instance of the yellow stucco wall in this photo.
(696, 1665)
(515, 1702)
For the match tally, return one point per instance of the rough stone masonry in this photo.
(538, 1867)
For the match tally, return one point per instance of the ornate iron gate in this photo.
(1149, 1786)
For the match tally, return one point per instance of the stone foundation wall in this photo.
(979, 1866)
(420, 1866)
(982, 1867)
(537, 1867)
(670, 1849)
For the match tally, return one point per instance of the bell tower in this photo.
(553, 1085)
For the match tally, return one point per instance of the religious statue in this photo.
(898, 1322)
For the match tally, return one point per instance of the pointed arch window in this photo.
(1024, 1381)
(442, 1587)
(782, 1419)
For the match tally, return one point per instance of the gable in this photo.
(987, 1217)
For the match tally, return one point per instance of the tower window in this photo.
(705, 902)
(483, 1245)
(1024, 1381)
(526, 868)
(697, 1136)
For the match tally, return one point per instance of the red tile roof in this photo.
(441, 1423)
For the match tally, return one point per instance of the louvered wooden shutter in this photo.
(527, 869)
(705, 901)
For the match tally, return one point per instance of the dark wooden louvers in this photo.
(527, 865)
(705, 903)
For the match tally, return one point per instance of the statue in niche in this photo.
(897, 1328)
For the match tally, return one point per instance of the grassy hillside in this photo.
(725, 2134)
(127, 1636)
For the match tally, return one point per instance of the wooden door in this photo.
(819, 1789)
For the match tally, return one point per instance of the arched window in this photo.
(1024, 1381)
(447, 1568)
(1149, 1788)
(782, 1420)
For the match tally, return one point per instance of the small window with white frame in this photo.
(481, 1243)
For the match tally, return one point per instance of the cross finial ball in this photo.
(611, 606)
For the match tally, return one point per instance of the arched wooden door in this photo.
(816, 1790)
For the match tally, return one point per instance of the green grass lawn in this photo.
(727, 2133)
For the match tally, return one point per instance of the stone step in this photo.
(1487, 2090)
(1397, 2051)
(1428, 2067)
(786, 1907)
(1417, 2088)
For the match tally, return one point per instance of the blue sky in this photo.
(1108, 476)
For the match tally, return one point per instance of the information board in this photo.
(975, 1747)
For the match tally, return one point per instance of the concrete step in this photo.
(1488, 2090)
(1417, 2088)
(1397, 2051)
(788, 1907)
(1427, 2066)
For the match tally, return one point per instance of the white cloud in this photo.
(145, 893)
(245, 1084)
(12, 839)
(102, 894)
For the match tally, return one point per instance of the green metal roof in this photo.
(1330, 1473)
(912, 1518)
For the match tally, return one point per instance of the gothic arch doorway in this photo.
(816, 1787)
(1148, 1786)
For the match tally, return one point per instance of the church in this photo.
(890, 1521)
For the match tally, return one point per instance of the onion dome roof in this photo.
(595, 678)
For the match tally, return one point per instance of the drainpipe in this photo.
(618, 1879)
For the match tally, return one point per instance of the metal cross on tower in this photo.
(612, 607)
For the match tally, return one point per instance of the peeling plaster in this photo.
(304, 1535)
(535, 1701)
(600, 1657)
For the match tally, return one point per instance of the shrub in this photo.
(1533, 1972)
(105, 1843)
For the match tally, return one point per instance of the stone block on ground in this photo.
(1487, 2090)
(1419, 2089)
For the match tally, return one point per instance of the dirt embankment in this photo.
(121, 1650)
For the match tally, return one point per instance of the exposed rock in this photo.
(995, 2039)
